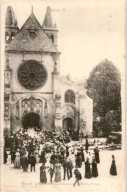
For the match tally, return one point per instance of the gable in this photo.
(31, 37)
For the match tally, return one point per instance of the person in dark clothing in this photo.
(53, 158)
(96, 152)
(94, 168)
(42, 157)
(5, 156)
(88, 173)
(79, 160)
(82, 155)
(43, 177)
(78, 176)
(113, 170)
(70, 167)
(87, 145)
(12, 156)
(67, 151)
(32, 162)
(66, 169)
(25, 163)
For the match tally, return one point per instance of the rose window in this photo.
(32, 75)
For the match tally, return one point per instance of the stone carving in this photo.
(6, 110)
(32, 105)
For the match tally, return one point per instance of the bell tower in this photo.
(11, 26)
(50, 28)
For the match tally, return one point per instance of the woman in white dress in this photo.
(17, 163)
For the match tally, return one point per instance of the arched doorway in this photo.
(31, 120)
(68, 124)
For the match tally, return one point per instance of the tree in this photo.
(104, 87)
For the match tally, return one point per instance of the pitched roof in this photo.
(24, 42)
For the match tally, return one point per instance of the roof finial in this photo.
(31, 9)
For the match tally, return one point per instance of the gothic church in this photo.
(35, 92)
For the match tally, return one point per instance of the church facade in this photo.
(35, 92)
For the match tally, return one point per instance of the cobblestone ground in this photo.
(12, 178)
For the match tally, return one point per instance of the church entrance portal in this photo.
(31, 120)
(68, 124)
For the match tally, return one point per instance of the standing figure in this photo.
(94, 168)
(96, 152)
(70, 167)
(17, 160)
(42, 157)
(88, 173)
(66, 169)
(82, 155)
(57, 172)
(78, 176)
(79, 160)
(5, 156)
(113, 170)
(43, 178)
(36, 154)
(32, 161)
(51, 172)
(87, 145)
(25, 163)
(67, 150)
(12, 156)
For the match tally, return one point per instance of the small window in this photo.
(70, 96)
(52, 38)
(32, 34)
(12, 35)
(6, 36)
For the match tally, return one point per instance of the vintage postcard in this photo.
(62, 111)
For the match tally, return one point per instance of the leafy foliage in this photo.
(104, 87)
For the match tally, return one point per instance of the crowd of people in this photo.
(29, 147)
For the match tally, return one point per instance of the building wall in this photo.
(15, 60)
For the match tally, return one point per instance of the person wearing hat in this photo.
(113, 170)
(78, 176)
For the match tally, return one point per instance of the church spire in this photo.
(10, 21)
(11, 26)
(49, 27)
(48, 19)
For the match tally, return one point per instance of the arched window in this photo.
(52, 38)
(12, 35)
(6, 36)
(70, 96)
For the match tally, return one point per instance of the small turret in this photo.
(11, 26)
(50, 28)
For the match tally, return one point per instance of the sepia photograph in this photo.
(62, 96)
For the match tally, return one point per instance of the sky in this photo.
(89, 31)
